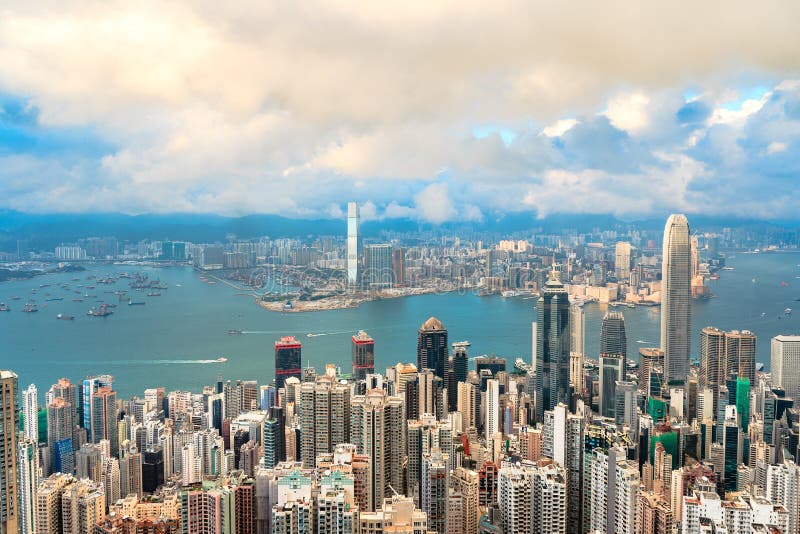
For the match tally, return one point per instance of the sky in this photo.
(436, 111)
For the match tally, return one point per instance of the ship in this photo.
(63, 317)
(101, 311)
(30, 307)
(3, 307)
(132, 302)
(154, 294)
(787, 311)
(15, 297)
(51, 299)
(234, 332)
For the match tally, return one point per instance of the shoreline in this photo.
(343, 302)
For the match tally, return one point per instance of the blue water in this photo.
(172, 340)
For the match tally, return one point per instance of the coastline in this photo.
(341, 302)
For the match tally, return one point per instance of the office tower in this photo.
(9, 417)
(626, 404)
(612, 485)
(740, 354)
(552, 347)
(712, 360)
(353, 245)
(577, 332)
(266, 397)
(465, 482)
(130, 471)
(28, 457)
(785, 365)
(613, 351)
(654, 515)
(103, 409)
(399, 266)
(457, 368)
(378, 273)
(650, 360)
(377, 430)
(492, 364)
(274, 437)
(467, 400)
(434, 490)
(514, 498)
(60, 426)
(622, 261)
(288, 360)
(363, 355)
(549, 499)
(432, 347)
(742, 387)
(732, 442)
(88, 387)
(676, 310)
(30, 412)
(152, 468)
(612, 335)
(492, 423)
(324, 417)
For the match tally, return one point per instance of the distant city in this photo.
(563, 442)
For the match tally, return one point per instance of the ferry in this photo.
(63, 317)
(30, 307)
(51, 299)
(221, 360)
(234, 332)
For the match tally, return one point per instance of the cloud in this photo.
(297, 108)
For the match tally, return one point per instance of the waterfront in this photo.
(174, 339)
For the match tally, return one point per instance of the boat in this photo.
(51, 299)
(221, 360)
(154, 294)
(15, 297)
(631, 305)
(234, 332)
(727, 268)
(787, 311)
(101, 311)
(288, 305)
(63, 317)
(461, 344)
(30, 307)
(132, 302)
(3, 307)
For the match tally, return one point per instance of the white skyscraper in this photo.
(613, 485)
(514, 498)
(28, 483)
(676, 310)
(622, 261)
(783, 487)
(577, 331)
(30, 412)
(785, 361)
(492, 408)
(353, 244)
(549, 500)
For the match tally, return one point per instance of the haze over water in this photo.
(173, 340)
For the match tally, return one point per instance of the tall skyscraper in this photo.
(89, 386)
(492, 423)
(622, 261)
(433, 490)
(725, 353)
(324, 417)
(28, 456)
(432, 347)
(363, 355)
(612, 485)
(104, 418)
(379, 273)
(577, 331)
(552, 347)
(785, 365)
(457, 368)
(288, 360)
(377, 423)
(399, 266)
(60, 425)
(9, 417)
(353, 245)
(30, 412)
(676, 309)
(613, 352)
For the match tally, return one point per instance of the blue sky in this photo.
(444, 111)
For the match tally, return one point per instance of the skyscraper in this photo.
(622, 261)
(9, 416)
(577, 330)
(30, 412)
(399, 266)
(89, 386)
(288, 360)
(353, 245)
(379, 273)
(676, 310)
(433, 490)
(492, 423)
(457, 368)
(324, 417)
(363, 355)
(432, 347)
(104, 418)
(613, 351)
(785, 365)
(60, 425)
(28, 456)
(552, 347)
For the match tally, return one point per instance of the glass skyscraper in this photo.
(353, 244)
(552, 347)
(676, 309)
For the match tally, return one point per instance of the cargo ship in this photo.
(132, 302)
(62, 317)
(101, 311)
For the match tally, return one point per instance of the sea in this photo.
(175, 340)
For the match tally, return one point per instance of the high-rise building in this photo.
(577, 332)
(622, 261)
(552, 347)
(432, 347)
(397, 513)
(48, 502)
(465, 482)
(59, 428)
(377, 423)
(457, 368)
(654, 515)
(492, 423)
(83, 505)
(324, 408)
(467, 406)
(363, 355)
(732, 441)
(785, 365)
(28, 457)
(9, 417)
(104, 418)
(676, 310)
(783, 488)
(434, 490)
(740, 354)
(353, 245)
(288, 360)
(89, 386)
(379, 273)
(549, 503)
(613, 352)
(612, 486)
(30, 412)
(723, 353)
(399, 266)
(514, 498)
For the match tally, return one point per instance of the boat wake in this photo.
(159, 362)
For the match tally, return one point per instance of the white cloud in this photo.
(628, 111)
(435, 204)
(559, 128)
(775, 147)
